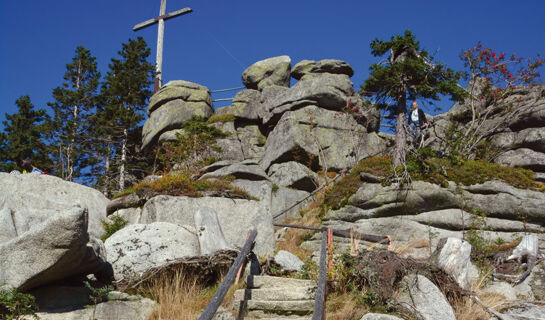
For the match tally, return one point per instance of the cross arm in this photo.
(163, 17)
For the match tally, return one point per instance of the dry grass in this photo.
(181, 297)
(468, 309)
(293, 237)
(344, 306)
(417, 243)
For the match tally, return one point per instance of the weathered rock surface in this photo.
(138, 248)
(32, 199)
(120, 306)
(295, 175)
(457, 219)
(453, 257)
(230, 148)
(246, 105)
(51, 251)
(236, 217)
(329, 91)
(264, 73)
(425, 299)
(179, 89)
(288, 261)
(496, 198)
(240, 171)
(211, 238)
(322, 66)
(172, 115)
(129, 201)
(309, 133)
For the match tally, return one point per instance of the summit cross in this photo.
(161, 20)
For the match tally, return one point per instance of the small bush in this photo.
(193, 148)
(117, 224)
(15, 305)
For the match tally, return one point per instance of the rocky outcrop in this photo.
(496, 198)
(72, 303)
(515, 133)
(176, 103)
(295, 175)
(264, 73)
(236, 217)
(27, 200)
(53, 250)
(138, 248)
(323, 66)
(319, 138)
(329, 91)
(246, 105)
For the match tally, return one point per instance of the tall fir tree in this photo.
(23, 137)
(125, 94)
(409, 73)
(74, 102)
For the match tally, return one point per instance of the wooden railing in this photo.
(217, 299)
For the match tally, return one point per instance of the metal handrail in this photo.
(217, 299)
(340, 233)
(319, 302)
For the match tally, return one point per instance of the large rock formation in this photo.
(27, 200)
(264, 73)
(138, 248)
(53, 250)
(177, 102)
(419, 215)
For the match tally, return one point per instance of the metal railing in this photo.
(217, 299)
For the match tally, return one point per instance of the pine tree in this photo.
(125, 92)
(74, 102)
(23, 137)
(408, 74)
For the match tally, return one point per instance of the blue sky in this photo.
(215, 43)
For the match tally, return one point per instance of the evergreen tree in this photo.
(23, 137)
(74, 102)
(125, 93)
(408, 74)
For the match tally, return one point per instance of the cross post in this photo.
(160, 34)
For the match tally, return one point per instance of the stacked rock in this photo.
(177, 102)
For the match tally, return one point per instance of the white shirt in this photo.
(414, 116)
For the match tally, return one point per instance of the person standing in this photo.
(417, 118)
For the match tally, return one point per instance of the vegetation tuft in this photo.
(434, 170)
(117, 223)
(221, 118)
(183, 185)
(15, 305)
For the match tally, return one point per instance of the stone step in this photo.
(295, 293)
(270, 308)
(277, 282)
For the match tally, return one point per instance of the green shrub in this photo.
(15, 305)
(192, 149)
(117, 224)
